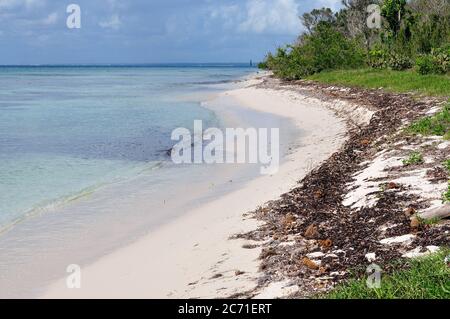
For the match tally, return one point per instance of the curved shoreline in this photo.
(192, 256)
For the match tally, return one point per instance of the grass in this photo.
(447, 165)
(438, 124)
(428, 222)
(447, 136)
(414, 158)
(446, 196)
(394, 81)
(424, 278)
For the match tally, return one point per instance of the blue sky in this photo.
(148, 31)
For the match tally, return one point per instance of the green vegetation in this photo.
(446, 196)
(415, 158)
(414, 35)
(447, 165)
(393, 81)
(424, 278)
(438, 124)
(447, 136)
(428, 222)
(437, 62)
(326, 49)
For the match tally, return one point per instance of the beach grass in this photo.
(447, 165)
(423, 278)
(414, 158)
(392, 81)
(446, 195)
(438, 124)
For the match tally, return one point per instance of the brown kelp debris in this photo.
(311, 238)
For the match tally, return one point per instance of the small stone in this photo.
(397, 240)
(371, 257)
(315, 255)
(433, 249)
(418, 252)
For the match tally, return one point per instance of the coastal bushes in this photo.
(377, 58)
(400, 62)
(413, 35)
(437, 62)
(326, 49)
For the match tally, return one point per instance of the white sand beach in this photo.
(192, 255)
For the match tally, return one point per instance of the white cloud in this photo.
(260, 16)
(272, 16)
(113, 22)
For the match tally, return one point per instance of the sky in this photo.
(148, 31)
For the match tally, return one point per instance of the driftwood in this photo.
(438, 213)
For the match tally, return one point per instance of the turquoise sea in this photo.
(66, 130)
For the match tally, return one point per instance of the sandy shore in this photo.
(192, 256)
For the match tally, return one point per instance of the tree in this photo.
(432, 26)
(312, 19)
(393, 11)
(429, 8)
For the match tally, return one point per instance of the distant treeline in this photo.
(395, 34)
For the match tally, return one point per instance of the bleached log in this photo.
(437, 213)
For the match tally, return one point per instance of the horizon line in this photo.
(160, 64)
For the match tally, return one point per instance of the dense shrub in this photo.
(425, 64)
(263, 65)
(325, 49)
(343, 40)
(381, 59)
(441, 59)
(378, 59)
(400, 62)
(437, 62)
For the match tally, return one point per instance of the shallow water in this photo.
(65, 131)
(93, 201)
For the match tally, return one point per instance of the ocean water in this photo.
(66, 131)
